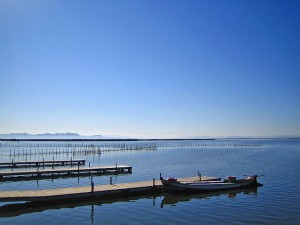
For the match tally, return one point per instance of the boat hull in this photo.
(206, 186)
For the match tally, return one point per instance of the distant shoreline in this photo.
(136, 139)
(106, 139)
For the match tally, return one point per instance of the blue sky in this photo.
(150, 68)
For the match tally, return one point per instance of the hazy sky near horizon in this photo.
(141, 68)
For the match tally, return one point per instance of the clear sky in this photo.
(141, 68)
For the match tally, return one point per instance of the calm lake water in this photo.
(277, 202)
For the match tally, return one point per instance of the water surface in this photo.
(277, 202)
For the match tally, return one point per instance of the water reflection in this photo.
(173, 199)
(62, 177)
(17, 209)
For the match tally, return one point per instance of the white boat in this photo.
(171, 184)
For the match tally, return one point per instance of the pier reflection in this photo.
(17, 209)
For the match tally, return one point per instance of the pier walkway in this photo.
(42, 163)
(86, 192)
(27, 174)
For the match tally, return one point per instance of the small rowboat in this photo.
(171, 184)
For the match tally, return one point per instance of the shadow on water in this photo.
(62, 176)
(17, 209)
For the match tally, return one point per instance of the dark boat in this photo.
(171, 184)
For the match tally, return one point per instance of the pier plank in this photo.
(85, 191)
(66, 171)
(43, 163)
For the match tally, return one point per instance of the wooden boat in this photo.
(171, 184)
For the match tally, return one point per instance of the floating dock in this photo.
(43, 163)
(90, 192)
(36, 174)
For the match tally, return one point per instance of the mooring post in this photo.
(43, 163)
(160, 176)
(199, 175)
(92, 185)
(71, 162)
(153, 182)
(89, 164)
(110, 180)
(12, 164)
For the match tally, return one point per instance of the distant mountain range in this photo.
(78, 136)
(48, 136)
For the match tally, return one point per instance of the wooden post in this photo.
(199, 175)
(153, 182)
(92, 185)
(110, 181)
(71, 162)
(117, 168)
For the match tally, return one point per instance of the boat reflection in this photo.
(173, 199)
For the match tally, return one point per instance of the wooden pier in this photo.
(43, 163)
(27, 174)
(89, 192)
